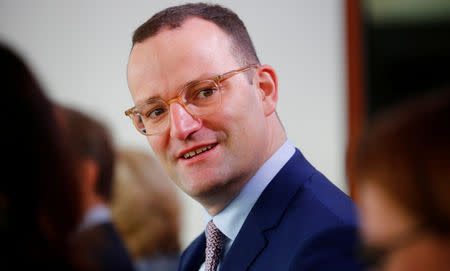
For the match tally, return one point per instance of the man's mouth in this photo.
(198, 151)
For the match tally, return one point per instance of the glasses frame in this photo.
(218, 79)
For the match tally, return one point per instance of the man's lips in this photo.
(188, 154)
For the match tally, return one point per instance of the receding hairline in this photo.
(241, 43)
(188, 18)
(235, 50)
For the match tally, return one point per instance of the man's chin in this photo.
(204, 189)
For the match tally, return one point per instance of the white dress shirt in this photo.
(96, 215)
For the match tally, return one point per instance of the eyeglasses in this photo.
(375, 257)
(199, 98)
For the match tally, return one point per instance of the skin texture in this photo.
(245, 130)
(384, 221)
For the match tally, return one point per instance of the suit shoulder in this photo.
(330, 199)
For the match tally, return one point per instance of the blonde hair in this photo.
(145, 206)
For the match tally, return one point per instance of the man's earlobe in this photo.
(268, 84)
(90, 172)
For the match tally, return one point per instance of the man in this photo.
(96, 240)
(207, 108)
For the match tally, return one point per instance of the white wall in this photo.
(79, 51)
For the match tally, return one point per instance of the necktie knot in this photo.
(215, 241)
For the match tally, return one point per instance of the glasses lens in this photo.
(151, 118)
(202, 97)
(137, 120)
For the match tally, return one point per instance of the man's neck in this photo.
(216, 202)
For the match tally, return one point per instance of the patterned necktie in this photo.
(215, 241)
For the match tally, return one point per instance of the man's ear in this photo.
(89, 175)
(267, 82)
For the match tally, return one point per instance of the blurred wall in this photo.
(79, 50)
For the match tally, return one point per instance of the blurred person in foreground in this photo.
(208, 109)
(403, 168)
(39, 194)
(146, 210)
(96, 235)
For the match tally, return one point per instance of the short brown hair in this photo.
(224, 18)
(91, 140)
(406, 151)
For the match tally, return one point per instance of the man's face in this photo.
(236, 133)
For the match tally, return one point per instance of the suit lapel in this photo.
(194, 255)
(251, 243)
(267, 212)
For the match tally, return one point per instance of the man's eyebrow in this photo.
(191, 82)
(153, 98)
(207, 76)
(149, 100)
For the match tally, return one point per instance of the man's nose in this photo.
(182, 123)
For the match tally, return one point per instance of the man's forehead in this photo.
(195, 37)
(172, 57)
(192, 27)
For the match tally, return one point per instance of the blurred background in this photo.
(338, 62)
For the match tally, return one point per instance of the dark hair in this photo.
(407, 152)
(224, 18)
(39, 195)
(91, 140)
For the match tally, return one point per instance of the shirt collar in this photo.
(96, 215)
(230, 220)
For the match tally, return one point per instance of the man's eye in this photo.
(156, 113)
(205, 93)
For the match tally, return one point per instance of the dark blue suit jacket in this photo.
(301, 221)
(100, 248)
